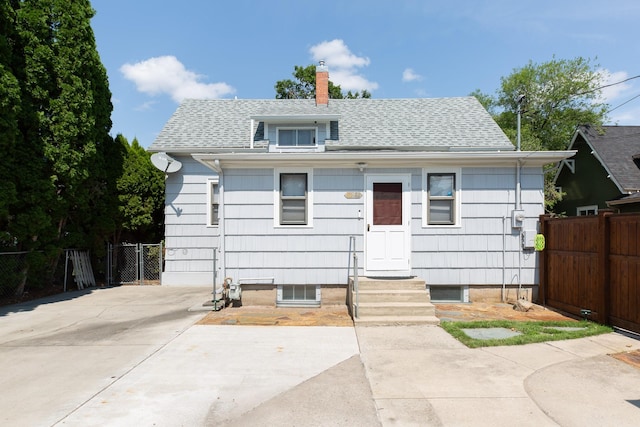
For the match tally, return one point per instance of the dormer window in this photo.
(297, 137)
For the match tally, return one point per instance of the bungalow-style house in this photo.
(283, 191)
(604, 172)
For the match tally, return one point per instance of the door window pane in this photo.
(387, 203)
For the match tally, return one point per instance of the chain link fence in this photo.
(134, 264)
(13, 273)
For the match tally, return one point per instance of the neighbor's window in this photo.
(214, 202)
(305, 137)
(293, 198)
(441, 198)
(587, 210)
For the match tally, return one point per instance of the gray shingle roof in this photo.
(419, 124)
(616, 147)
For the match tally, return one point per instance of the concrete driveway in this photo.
(135, 356)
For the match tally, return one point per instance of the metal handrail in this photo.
(352, 253)
(355, 284)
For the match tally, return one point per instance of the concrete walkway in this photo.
(135, 356)
(421, 376)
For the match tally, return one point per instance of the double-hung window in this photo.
(298, 137)
(293, 199)
(441, 198)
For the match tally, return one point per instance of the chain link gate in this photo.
(13, 270)
(134, 264)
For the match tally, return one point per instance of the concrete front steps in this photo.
(382, 302)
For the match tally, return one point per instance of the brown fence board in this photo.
(593, 263)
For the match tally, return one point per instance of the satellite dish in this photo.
(165, 162)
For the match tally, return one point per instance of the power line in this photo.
(609, 85)
(626, 102)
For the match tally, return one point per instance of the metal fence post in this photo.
(160, 257)
(141, 272)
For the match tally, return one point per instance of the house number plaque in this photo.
(353, 195)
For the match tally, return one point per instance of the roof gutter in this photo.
(381, 159)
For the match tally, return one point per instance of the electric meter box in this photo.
(529, 239)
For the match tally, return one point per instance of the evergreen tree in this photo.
(9, 131)
(141, 196)
(67, 162)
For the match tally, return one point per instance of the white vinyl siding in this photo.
(257, 246)
(472, 253)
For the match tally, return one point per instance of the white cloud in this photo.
(167, 75)
(616, 91)
(146, 106)
(343, 65)
(408, 75)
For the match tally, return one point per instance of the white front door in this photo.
(388, 229)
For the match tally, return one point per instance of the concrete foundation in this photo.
(267, 294)
(484, 293)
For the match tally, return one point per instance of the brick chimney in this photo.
(322, 84)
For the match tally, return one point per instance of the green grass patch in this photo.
(532, 331)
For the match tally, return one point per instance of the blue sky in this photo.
(158, 52)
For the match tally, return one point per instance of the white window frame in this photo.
(583, 210)
(211, 183)
(280, 301)
(457, 206)
(297, 128)
(276, 197)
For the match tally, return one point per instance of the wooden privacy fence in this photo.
(593, 263)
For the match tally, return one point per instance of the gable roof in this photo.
(421, 124)
(615, 148)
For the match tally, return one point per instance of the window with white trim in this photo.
(296, 137)
(294, 204)
(299, 295)
(441, 197)
(213, 203)
(587, 210)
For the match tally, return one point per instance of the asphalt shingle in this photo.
(616, 147)
(418, 124)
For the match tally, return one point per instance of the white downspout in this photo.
(519, 195)
(504, 254)
(223, 261)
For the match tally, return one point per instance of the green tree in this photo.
(559, 95)
(141, 196)
(60, 117)
(10, 100)
(304, 86)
